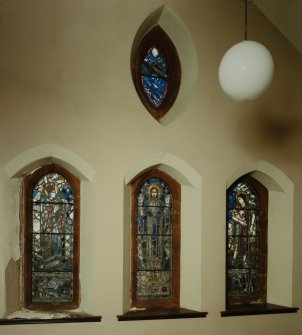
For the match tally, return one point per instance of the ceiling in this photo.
(286, 15)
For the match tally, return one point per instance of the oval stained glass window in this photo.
(156, 71)
(155, 76)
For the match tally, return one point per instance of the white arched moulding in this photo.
(191, 225)
(32, 158)
(170, 164)
(175, 30)
(11, 177)
(280, 228)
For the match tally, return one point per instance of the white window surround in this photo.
(182, 40)
(280, 228)
(191, 226)
(11, 181)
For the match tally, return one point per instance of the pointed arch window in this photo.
(155, 241)
(246, 263)
(156, 71)
(51, 238)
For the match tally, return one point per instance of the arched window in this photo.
(51, 238)
(156, 72)
(246, 263)
(155, 241)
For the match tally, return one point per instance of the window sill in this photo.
(258, 309)
(157, 314)
(33, 317)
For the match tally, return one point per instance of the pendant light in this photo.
(246, 69)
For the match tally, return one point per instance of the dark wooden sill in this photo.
(22, 321)
(156, 314)
(258, 309)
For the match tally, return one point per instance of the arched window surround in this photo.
(191, 295)
(280, 238)
(158, 38)
(172, 25)
(23, 164)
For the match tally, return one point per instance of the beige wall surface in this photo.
(65, 81)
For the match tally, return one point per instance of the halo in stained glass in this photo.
(52, 188)
(155, 76)
(242, 195)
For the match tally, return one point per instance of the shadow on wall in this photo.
(272, 132)
(12, 284)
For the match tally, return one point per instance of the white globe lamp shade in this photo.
(246, 70)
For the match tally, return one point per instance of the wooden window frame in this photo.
(261, 296)
(29, 183)
(158, 38)
(176, 194)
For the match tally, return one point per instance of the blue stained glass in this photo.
(52, 188)
(155, 76)
(154, 239)
(242, 196)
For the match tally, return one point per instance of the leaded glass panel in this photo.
(52, 188)
(242, 240)
(154, 284)
(52, 287)
(52, 239)
(156, 71)
(155, 76)
(242, 282)
(154, 240)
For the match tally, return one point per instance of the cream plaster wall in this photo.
(65, 81)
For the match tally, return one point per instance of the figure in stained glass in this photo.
(52, 239)
(243, 246)
(154, 239)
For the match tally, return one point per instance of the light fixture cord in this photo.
(245, 20)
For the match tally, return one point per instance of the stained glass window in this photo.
(52, 236)
(156, 71)
(155, 76)
(156, 241)
(246, 242)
